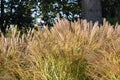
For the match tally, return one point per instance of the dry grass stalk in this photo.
(70, 51)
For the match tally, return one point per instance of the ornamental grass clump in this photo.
(68, 51)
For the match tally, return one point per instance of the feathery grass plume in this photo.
(69, 51)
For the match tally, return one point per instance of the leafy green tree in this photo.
(16, 12)
(71, 9)
(20, 12)
(65, 8)
(111, 10)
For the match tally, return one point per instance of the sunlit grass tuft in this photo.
(69, 51)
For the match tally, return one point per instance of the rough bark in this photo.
(2, 17)
(91, 10)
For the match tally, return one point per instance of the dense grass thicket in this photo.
(76, 51)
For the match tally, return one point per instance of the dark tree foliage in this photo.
(18, 12)
(69, 9)
(111, 10)
(15, 12)
(109, 7)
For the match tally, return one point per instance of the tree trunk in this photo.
(91, 10)
(2, 18)
(2, 11)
